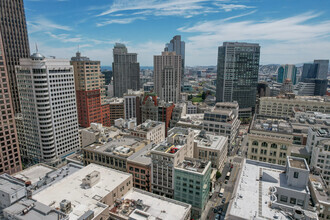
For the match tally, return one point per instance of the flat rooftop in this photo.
(251, 196)
(34, 211)
(54, 177)
(142, 156)
(178, 131)
(148, 125)
(34, 173)
(320, 189)
(209, 141)
(194, 165)
(82, 199)
(271, 124)
(297, 163)
(167, 147)
(123, 146)
(141, 205)
(9, 184)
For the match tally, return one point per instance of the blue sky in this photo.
(289, 31)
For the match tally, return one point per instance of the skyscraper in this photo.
(316, 70)
(287, 71)
(90, 91)
(322, 70)
(167, 76)
(126, 70)
(10, 160)
(49, 112)
(179, 47)
(237, 74)
(15, 41)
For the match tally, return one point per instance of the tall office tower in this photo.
(132, 105)
(125, 70)
(49, 112)
(322, 70)
(287, 71)
(90, 91)
(10, 160)
(179, 48)
(15, 41)
(237, 75)
(167, 76)
(309, 71)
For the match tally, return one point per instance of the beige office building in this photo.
(167, 76)
(282, 106)
(270, 140)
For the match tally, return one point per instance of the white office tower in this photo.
(167, 76)
(49, 112)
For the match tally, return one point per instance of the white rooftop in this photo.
(158, 207)
(209, 141)
(34, 173)
(82, 199)
(251, 197)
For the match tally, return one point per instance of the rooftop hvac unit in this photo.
(91, 179)
(65, 206)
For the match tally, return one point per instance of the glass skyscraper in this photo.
(237, 74)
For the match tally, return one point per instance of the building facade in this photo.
(116, 108)
(15, 42)
(126, 70)
(167, 76)
(320, 160)
(132, 105)
(282, 106)
(192, 184)
(223, 120)
(179, 48)
(287, 71)
(48, 101)
(10, 153)
(90, 91)
(166, 155)
(237, 74)
(269, 140)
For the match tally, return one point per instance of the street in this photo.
(235, 161)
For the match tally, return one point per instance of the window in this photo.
(295, 175)
(293, 201)
(255, 143)
(284, 198)
(273, 146)
(264, 144)
(300, 202)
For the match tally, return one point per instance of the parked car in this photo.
(217, 217)
(223, 200)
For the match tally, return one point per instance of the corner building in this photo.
(49, 112)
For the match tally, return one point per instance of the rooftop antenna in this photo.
(78, 47)
(36, 48)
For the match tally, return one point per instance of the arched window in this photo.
(273, 146)
(264, 144)
(255, 143)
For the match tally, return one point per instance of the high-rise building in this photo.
(125, 70)
(179, 48)
(10, 160)
(322, 70)
(316, 70)
(167, 76)
(90, 91)
(15, 42)
(49, 112)
(237, 74)
(132, 105)
(287, 71)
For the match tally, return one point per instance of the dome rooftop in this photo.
(37, 56)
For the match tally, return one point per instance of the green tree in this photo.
(218, 175)
(203, 95)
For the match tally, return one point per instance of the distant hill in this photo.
(268, 69)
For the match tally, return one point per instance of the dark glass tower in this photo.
(237, 74)
(15, 41)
